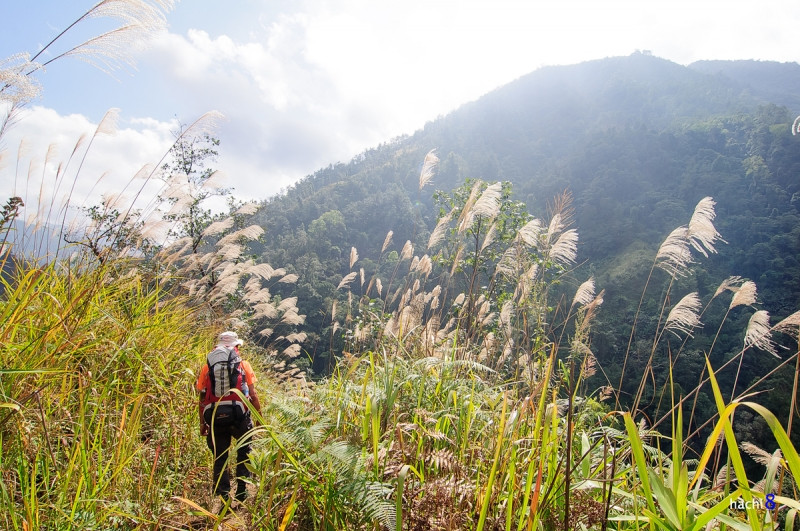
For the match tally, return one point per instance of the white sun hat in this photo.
(229, 339)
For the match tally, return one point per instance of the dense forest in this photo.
(570, 304)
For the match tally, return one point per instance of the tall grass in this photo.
(468, 422)
(95, 387)
(460, 401)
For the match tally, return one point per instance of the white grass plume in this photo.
(762, 457)
(490, 235)
(745, 295)
(790, 325)
(297, 337)
(425, 265)
(265, 310)
(440, 230)
(247, 209)
(215, 181)
(345, 282)
(488, 205)
(292, 351)
(249, 233)
(565, 250)
(218, 227)
(408, 251)
(506, 314)
(759, 333)
(16, 87)
(467, 214)
(555, 227)
(353, 256)
(729, 284)
(109, 50)
(291, 317)
(684, 316)
(702, 233)
(585, 293)
(531, 232)
(287, 304)
(414, 264)
(109, 124)
(674, 256)
(263, 270)
(428, 168)
(509, 262)
(387, 240)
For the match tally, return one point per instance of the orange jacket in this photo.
(249, 376)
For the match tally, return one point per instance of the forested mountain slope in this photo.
(636, 140)
(770, 81)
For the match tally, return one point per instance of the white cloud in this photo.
(63, 160)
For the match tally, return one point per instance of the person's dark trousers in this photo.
(219, 441)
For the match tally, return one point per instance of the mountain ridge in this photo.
(637, 140)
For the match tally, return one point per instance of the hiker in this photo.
(223, 414)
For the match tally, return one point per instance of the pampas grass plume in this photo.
(702, 233)
(439, 231)
(387, 240)
(674, 255)
(684, 316)
(744, 295)
(565, 250)
(790, 325)
(428, 167)
(408, 251)
(353, 256)
(730, 283)
(488, 205)
(758, 333)
(585, 293)
(247, 209)
(346, 280)
(218, 227)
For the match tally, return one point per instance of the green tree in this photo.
(191, 185)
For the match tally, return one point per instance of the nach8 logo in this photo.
(755, 503)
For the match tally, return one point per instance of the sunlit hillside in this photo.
(571, 304)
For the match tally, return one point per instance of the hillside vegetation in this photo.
(637, 141)
(560, 307)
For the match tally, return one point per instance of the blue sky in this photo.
(306, 83)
